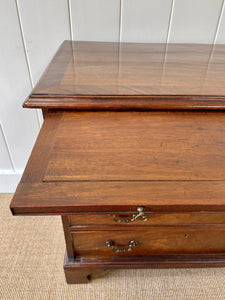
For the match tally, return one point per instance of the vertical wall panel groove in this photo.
(70, 20)
(39, 120)
(95, 20)
(24, 44)
(170, 20)
(45, 26)
(20, 126)
(145, 21)
(31, 32)
(221, 23)
(218, 22)
(7, 147)
(40, 17)
(120, 20)
(195, 21)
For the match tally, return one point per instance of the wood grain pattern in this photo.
(140, 76)
(155, 241)
(79, 270)
(124, 146)
(102, 163)
(171, 137)
(35, 167)
(68, 237)
(153, 219)
(83, 197)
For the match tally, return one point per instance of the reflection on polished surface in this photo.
(121, 76)
(136, 69)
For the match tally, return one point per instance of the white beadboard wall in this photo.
(32, 30)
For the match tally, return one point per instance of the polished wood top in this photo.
(117, 161)
(104, 75)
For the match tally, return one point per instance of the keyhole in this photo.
(186, 235)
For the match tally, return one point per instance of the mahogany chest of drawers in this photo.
(131, 155)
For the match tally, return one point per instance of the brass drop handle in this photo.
(114, 248)
(141, 217)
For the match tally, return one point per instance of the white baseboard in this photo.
(9, 181)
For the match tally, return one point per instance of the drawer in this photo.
(151, 219)
(183, 240)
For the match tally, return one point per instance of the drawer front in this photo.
(185, 240)
(151, 219)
